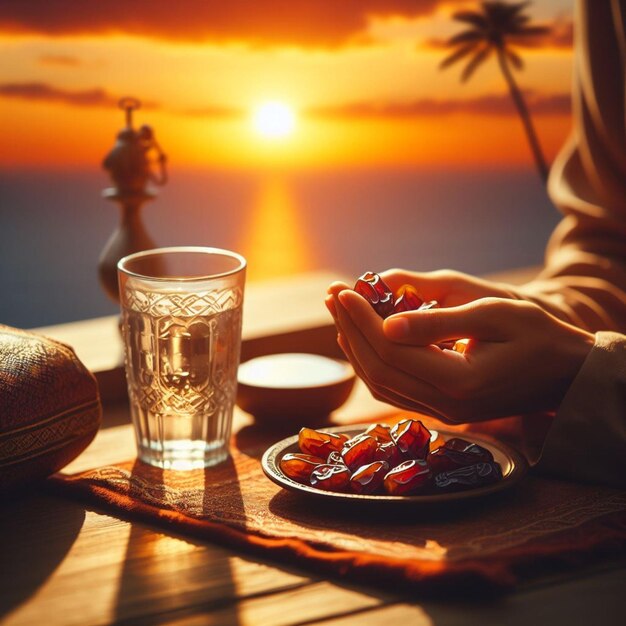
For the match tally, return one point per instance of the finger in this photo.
(330, 305)
(342, 344)
(382, 375)
(442, 369)
(387, 395)
(336, 287)
(486, 319)
(426, 286)
(382, 395)
(447, 287)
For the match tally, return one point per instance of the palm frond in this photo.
(471, 17)
(457, 55)
(474, 63)
(518, 7)
(504, 8)
(505, 18)
(496, 25)
(465, 37)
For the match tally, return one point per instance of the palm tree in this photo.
(494, 28)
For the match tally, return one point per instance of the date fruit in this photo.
(330, 477)
(359, 451)
(334, 458)
(317, 443)
(407, 300)
(407, 478)
(480, 453)
(412, 438)
(389, 453)
(369, 478)
(374, 289)
(445, 459)
(394, 460)
(380, 432)
(468, 477)
(299, 466)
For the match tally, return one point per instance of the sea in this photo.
(54, 225)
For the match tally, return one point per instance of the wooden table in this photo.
(61, 563)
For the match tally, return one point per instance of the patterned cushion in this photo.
(49, 407)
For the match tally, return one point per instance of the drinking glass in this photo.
(181, 323)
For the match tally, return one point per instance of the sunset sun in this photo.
(274, 120)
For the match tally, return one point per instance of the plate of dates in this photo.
(401, 463)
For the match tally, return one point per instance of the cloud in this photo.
(215, 111)
(496, 104)
(563, 34)
(322, 23)
(42, 92)
(59, 59)
(500, 104)
(556, 104)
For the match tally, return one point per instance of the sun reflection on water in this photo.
(274, 242)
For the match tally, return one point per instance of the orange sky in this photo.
(365, 84)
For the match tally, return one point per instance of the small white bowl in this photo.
(276, 387)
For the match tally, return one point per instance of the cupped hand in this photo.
(519, 358)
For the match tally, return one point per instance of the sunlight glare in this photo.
(274, 120)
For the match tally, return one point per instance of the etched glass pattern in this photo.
(182, 355)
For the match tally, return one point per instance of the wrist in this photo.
(570, 350)
(578, 349)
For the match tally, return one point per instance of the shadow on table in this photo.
(327, 512)
(254, 439)
(170, 576)
(28, 554)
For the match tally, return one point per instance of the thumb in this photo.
(481, 319)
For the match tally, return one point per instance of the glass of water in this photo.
(181, 323)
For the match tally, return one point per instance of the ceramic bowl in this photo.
(279, 387)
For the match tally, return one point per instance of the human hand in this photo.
(448, 287)
(519, 358)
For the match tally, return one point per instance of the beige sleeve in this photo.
(587, 440)
(584, 280)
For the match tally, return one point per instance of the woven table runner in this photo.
(539, 527)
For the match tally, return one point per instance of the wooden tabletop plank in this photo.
(400, 613)
(302, 605)
(93, 568)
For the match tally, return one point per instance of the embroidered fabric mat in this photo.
(540, 527)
